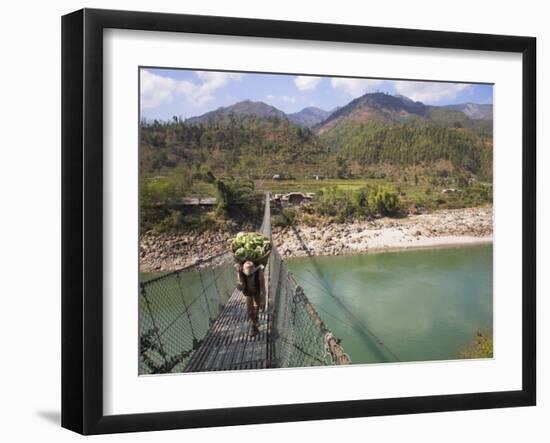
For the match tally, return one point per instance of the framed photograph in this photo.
(269, 221)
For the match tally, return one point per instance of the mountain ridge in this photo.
(370, 107)
(376, 106)
(240, 109)
(382, 107)
(309, 116)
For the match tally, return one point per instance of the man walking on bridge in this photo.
(251, 281)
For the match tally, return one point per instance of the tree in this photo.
(385, 200)
(342, 169)
(236, 196)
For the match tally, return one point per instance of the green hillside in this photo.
(247, 146)
(402, 145)
(256, 147)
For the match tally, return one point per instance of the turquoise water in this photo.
(411, 305)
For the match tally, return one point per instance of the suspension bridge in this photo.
(195, 320)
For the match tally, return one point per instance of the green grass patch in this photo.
(312, 185)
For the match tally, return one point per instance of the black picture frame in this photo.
(82, 218)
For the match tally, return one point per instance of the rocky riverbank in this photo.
(166, 252)
(438, 229)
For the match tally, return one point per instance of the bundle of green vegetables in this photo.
(250, 246)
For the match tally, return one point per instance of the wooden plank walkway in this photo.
(227, 346)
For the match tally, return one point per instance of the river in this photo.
(407, 305)
(403, 305)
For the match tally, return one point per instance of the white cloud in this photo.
(356, 86)
(270, 97)
(288, 99)
(306, 82)
(429, 92)
(157, 89)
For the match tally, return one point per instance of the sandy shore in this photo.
(166, 252)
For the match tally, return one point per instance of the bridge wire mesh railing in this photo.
(176, 311)
(297, 336)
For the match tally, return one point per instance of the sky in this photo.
(165, 93)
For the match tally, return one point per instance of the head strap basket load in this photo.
(251, 246)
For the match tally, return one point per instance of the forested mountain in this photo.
(474, 110)
(383, 107)
(309, 117)
(373, 131)
(237, 145)
(374, 107)
(240, 109)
